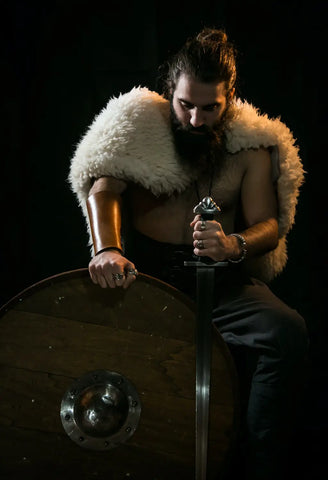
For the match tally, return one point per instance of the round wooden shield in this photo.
(59, 334)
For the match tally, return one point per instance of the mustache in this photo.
(191, 129)
(188, 131)
(205, 132)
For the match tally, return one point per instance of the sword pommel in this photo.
(207, 208)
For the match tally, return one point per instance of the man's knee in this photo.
(289, 333)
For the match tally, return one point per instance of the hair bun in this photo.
(212, 35)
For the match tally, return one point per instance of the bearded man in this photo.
(155, 157)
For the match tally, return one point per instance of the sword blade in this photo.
(205, 286)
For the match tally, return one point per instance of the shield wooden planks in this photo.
(64, 327)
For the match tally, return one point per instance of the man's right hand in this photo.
(107, 267)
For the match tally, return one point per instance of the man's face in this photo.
(198, 116)
(196, 103)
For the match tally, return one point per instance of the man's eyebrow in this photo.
(181, 99)
(214, 104)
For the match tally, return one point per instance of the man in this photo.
(154, 159)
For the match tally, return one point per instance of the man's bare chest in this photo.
(167, 218)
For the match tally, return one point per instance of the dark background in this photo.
(63, 60)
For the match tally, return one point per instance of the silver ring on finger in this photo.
(118, 276)
(200, 244)
(133, 271)
(203, 225)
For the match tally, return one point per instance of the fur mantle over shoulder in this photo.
(131, 139)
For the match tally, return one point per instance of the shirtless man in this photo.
(241, 183)
(168, 219)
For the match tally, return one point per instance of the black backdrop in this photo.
(63, 60)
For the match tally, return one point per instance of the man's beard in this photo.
(204, 148)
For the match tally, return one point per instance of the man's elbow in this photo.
(274, 232)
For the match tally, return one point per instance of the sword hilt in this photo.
(207, 209)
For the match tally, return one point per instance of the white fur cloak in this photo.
(131, 139)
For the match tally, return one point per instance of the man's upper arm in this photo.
(258, 196)
(111, 184)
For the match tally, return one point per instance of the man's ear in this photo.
(231, 93)
(170, 90)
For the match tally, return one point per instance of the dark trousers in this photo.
(249, 316)
(251, 319)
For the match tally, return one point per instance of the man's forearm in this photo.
(104, 211)
(260, 238)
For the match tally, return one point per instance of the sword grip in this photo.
(207, 216)
(206, 208)
(207, 260)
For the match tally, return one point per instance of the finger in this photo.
(110, 282)
(197, 235)
(130, 274)
(218, 227)
(206, 225)
(201, 225)
(195, 220)
(208, 251)
(199, 244)
(129, 279)
(92, 272)
(104, 276)
(102, 282)
(97, 277)
(200, 252)
(205, 235)
(118, 278)
(93, 277)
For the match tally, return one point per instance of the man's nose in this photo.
(196, 117)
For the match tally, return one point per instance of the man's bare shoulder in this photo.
(246, 157)
(253, 160)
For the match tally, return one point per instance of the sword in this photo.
(205, 275)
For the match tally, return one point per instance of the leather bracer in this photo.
(104, 210)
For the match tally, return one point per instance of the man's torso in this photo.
(167, 218)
